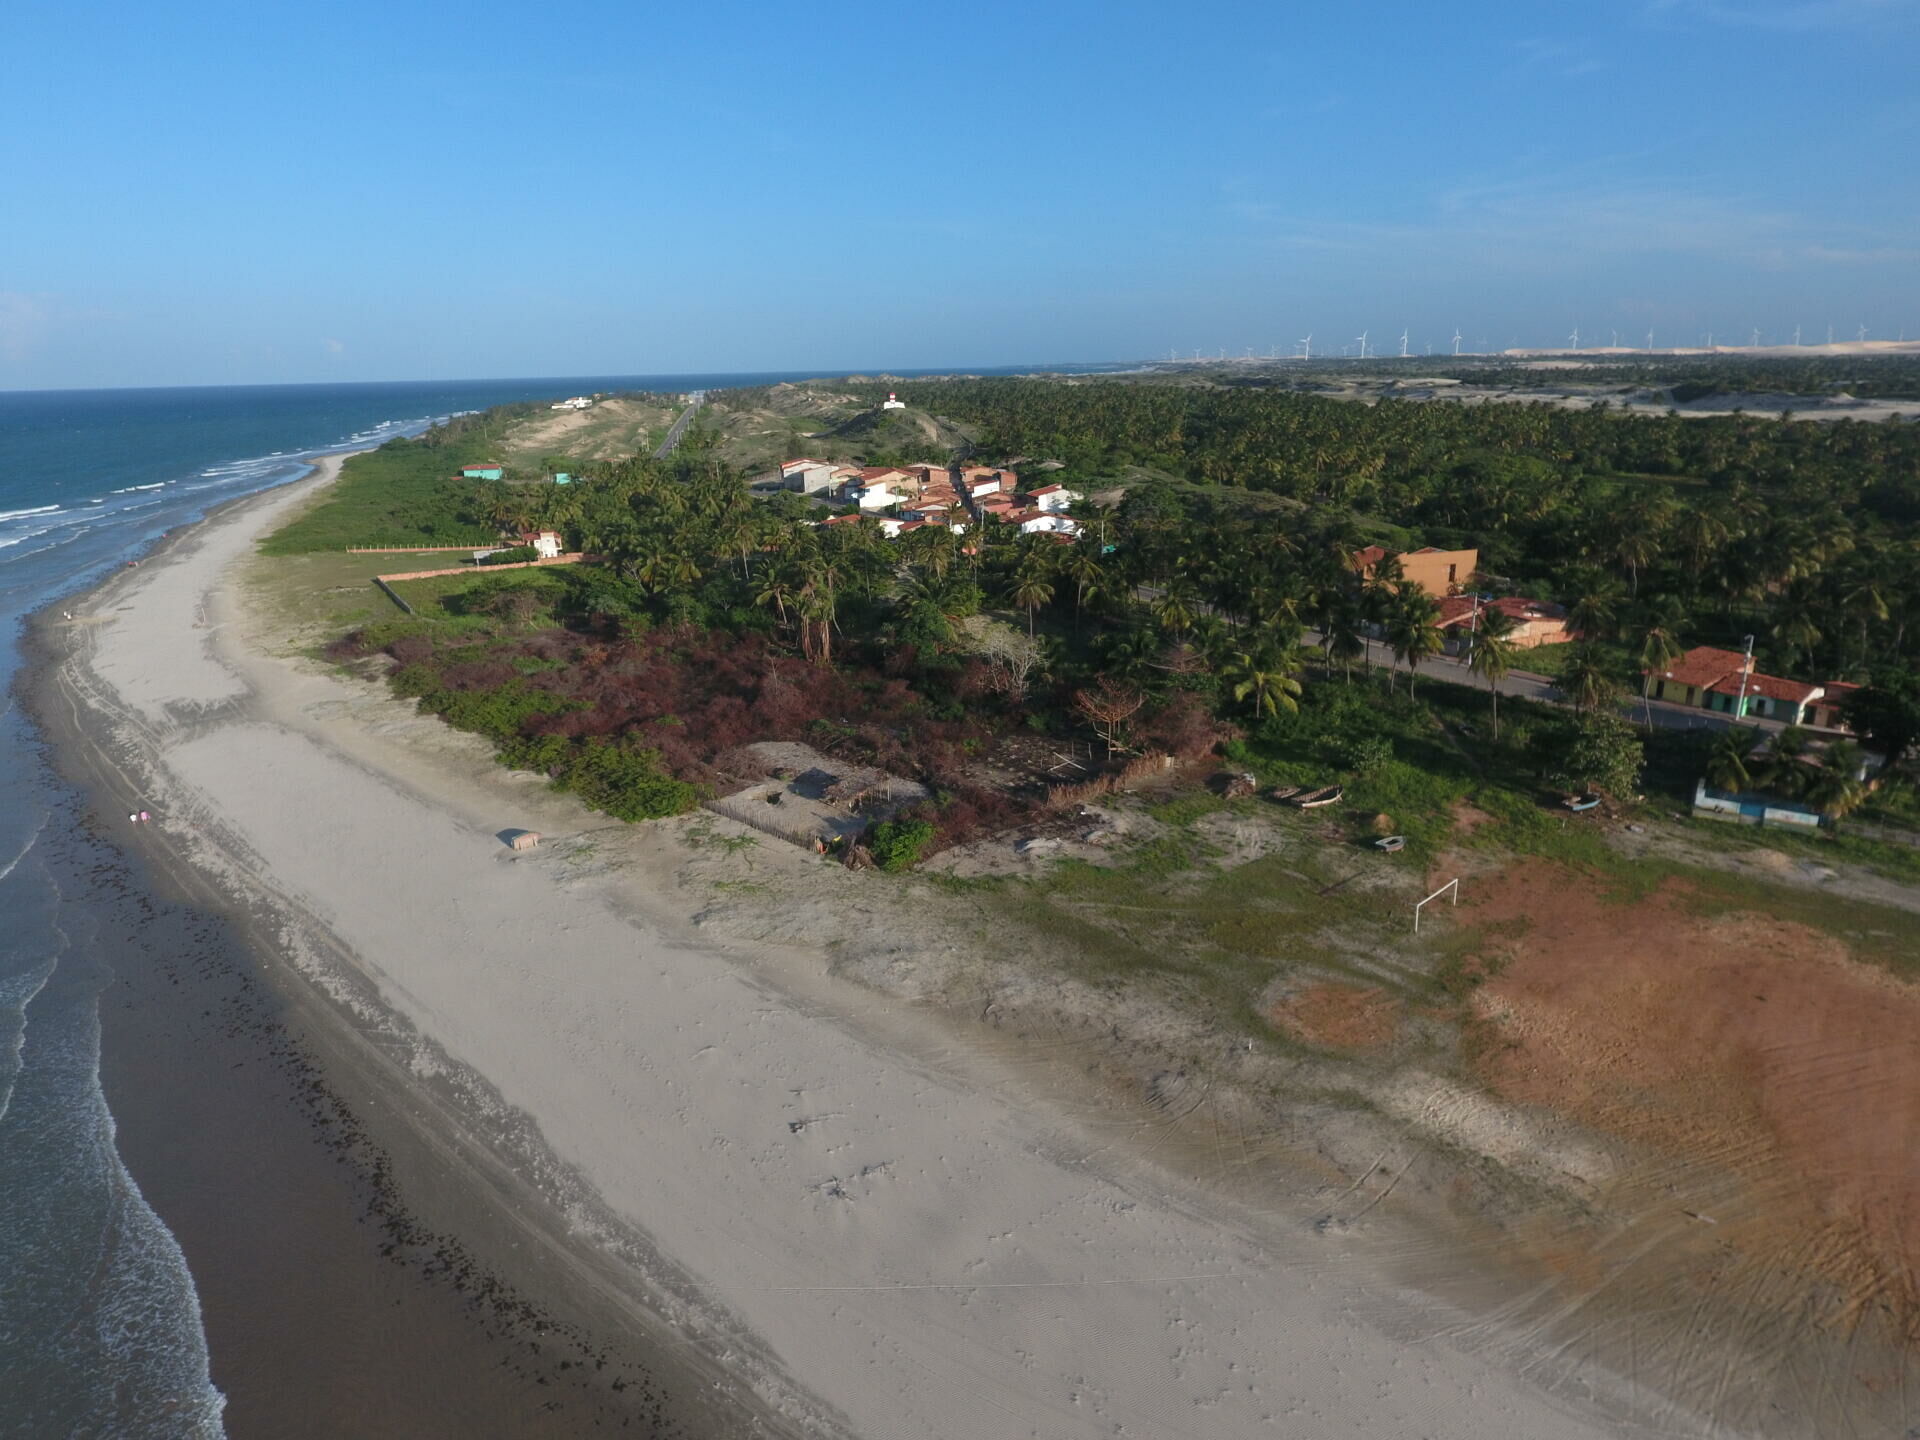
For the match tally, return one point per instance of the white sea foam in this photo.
(36, 510)
(131, 489)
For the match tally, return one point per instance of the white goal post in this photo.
(1453, 885)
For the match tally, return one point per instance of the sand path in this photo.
(902, 1244)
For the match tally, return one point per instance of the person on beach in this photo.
(144, 817)
(134, 819)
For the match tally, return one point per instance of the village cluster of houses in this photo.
(905, 498)
(578, 402)
(1723, 681)
(1444, 574)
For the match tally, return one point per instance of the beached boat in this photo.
(1326, 795)
(1391, 843)
(1581, 802)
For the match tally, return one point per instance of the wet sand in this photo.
(361, 1269)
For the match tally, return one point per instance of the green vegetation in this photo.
(405, 493)
(897, 844)
(1175, 623)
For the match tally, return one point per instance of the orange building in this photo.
(1438, 572)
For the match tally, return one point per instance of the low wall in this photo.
(573, 559)
(417, 549)
(1751, 809)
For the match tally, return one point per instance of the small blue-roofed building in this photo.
(483, 470)
(561, 477)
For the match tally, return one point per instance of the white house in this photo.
(1054, 497)
(545, 543)
(874, 495)
(578, 402)
(809, 477)
(1046, 522)
(894, 402)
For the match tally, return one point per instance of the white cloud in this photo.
(25, 322)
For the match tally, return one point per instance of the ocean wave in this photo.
(130, 489)
(113, 1341)
(35, 510)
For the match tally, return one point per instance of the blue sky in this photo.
(223, 193)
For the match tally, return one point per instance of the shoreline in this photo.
(354, 1267)
(853, 1206)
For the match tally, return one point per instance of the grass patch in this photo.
(404, 493)
(1879, 935)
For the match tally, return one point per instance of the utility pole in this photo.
(1746, 670)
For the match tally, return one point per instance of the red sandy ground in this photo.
(1757, 1063)
(1346, 1017)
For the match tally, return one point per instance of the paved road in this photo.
(679, 430)
(1665, 714)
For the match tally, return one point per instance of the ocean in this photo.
(101, 1328)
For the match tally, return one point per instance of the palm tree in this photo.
(1786, 772)
(1266, 681)
(1642, 529)
(1588, 680)
(1728, 761)
(1413, 631)
(1595, 614)
(1657, 653)
(1493, 655)
(1342, 636)
(1089, 576)
(1176, 607)
(1030, 590)
(1835, 785)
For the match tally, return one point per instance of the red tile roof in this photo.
(1703, 665)
(1456, 609)
(1771, 686)
(1838, 689)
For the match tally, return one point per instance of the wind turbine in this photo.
(1306, 347)
(1796, 337)
(1649, 339)
(1829, 332)
(1616, 339)
(1456, 339)
(1574, 338)
(1862, 336)
(1363, 343)
(1403, 344)
(1756, 337)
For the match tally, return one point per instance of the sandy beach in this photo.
(847, 1222)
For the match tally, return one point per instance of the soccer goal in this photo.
(1452, 886)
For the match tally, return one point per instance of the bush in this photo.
(896, 844)
(515, 555)
(1364, 755)
(499, 712)
(1606, 755)
(626, 783)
